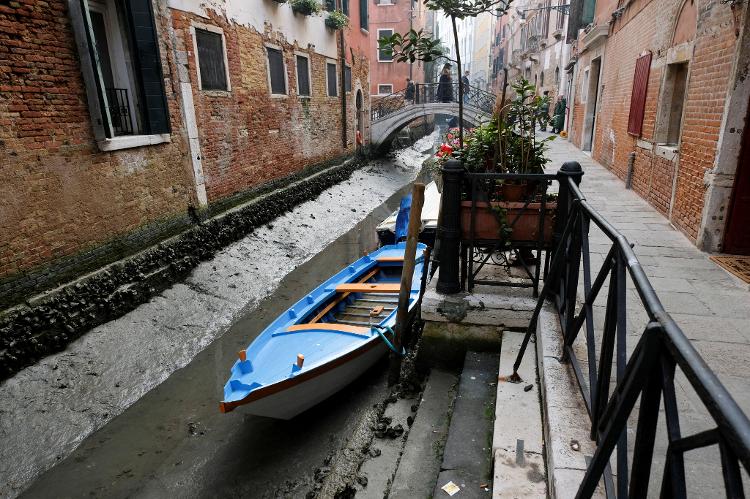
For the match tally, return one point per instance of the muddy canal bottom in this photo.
(174, 442)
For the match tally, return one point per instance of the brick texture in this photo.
(62, 198)
(649, 25)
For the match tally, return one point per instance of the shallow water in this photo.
(174, 441)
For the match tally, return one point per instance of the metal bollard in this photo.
(449, 231)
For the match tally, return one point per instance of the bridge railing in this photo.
(431, 93)
(640, 385)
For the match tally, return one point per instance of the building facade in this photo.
(530, 42)
(661, 97)
(386, 18)
(120, 120)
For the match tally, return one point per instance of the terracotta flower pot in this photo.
(524, 222)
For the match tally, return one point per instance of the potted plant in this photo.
(509, 209)
(337, 20)
(306, 7)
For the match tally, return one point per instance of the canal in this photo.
(174, 442)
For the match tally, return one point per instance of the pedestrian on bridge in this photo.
(445, 85)
(467, 84)
(409, 93)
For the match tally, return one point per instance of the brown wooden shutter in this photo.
(638, 97)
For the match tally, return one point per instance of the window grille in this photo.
(276, 71)
(303, 76)
(213, 74)
(331, 79)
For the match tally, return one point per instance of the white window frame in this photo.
(585, 84)
(335, 63)
(385, 85)
(213, 29)
(268, 71)
(309, 73)
(378, 38)
(384, 3)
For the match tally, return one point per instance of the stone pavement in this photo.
(710, 305)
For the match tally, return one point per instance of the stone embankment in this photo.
(174, 307)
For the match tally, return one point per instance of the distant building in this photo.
(386, 18)
(480, 66)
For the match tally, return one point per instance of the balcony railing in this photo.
(119, 111)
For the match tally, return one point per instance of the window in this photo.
(276, 71)
(348, 78)
(330, 5)
(385, 2)
(585, 86)
(385, 89)
(345, 7)
(669, 124)
(638, 96)
(122, 70)
(331, 79)
(303, 76)
(212, 72)
(383, 56)
(363, 14)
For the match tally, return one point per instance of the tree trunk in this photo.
(460, 88)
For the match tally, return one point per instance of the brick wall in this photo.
(247, 136)
(67, 208)
(649, 25)
(60, 194)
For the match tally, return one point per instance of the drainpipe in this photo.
(631, 165)
(344, 124)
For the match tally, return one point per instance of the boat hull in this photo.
(316, 386)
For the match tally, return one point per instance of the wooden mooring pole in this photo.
(407, 274)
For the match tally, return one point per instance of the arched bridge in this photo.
(392, 113)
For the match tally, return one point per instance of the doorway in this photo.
(592, 98)
(737, 235)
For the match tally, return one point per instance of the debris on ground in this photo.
(451, 488)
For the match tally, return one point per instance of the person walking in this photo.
(409, 94)
(558, 115)
(445, 85)
(467, 84)
(543, 116)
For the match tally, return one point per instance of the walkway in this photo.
(711, 306)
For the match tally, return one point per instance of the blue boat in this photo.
(324, 341)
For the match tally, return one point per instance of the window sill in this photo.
(128, 142)
(667, 151)
(279, 96)
(216, 93)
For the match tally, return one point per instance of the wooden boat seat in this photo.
(356, 287)
(398, 259)
(328, 326)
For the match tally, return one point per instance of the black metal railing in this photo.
(119, 111)
(647, 373)
(431, 93)
(521, 233)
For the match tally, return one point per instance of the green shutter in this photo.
(363, 14)
(148, 66)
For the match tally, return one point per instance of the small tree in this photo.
(416, 45)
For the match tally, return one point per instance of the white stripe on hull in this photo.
(288, 403)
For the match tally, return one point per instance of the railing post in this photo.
(449, 231)
(569, 169)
